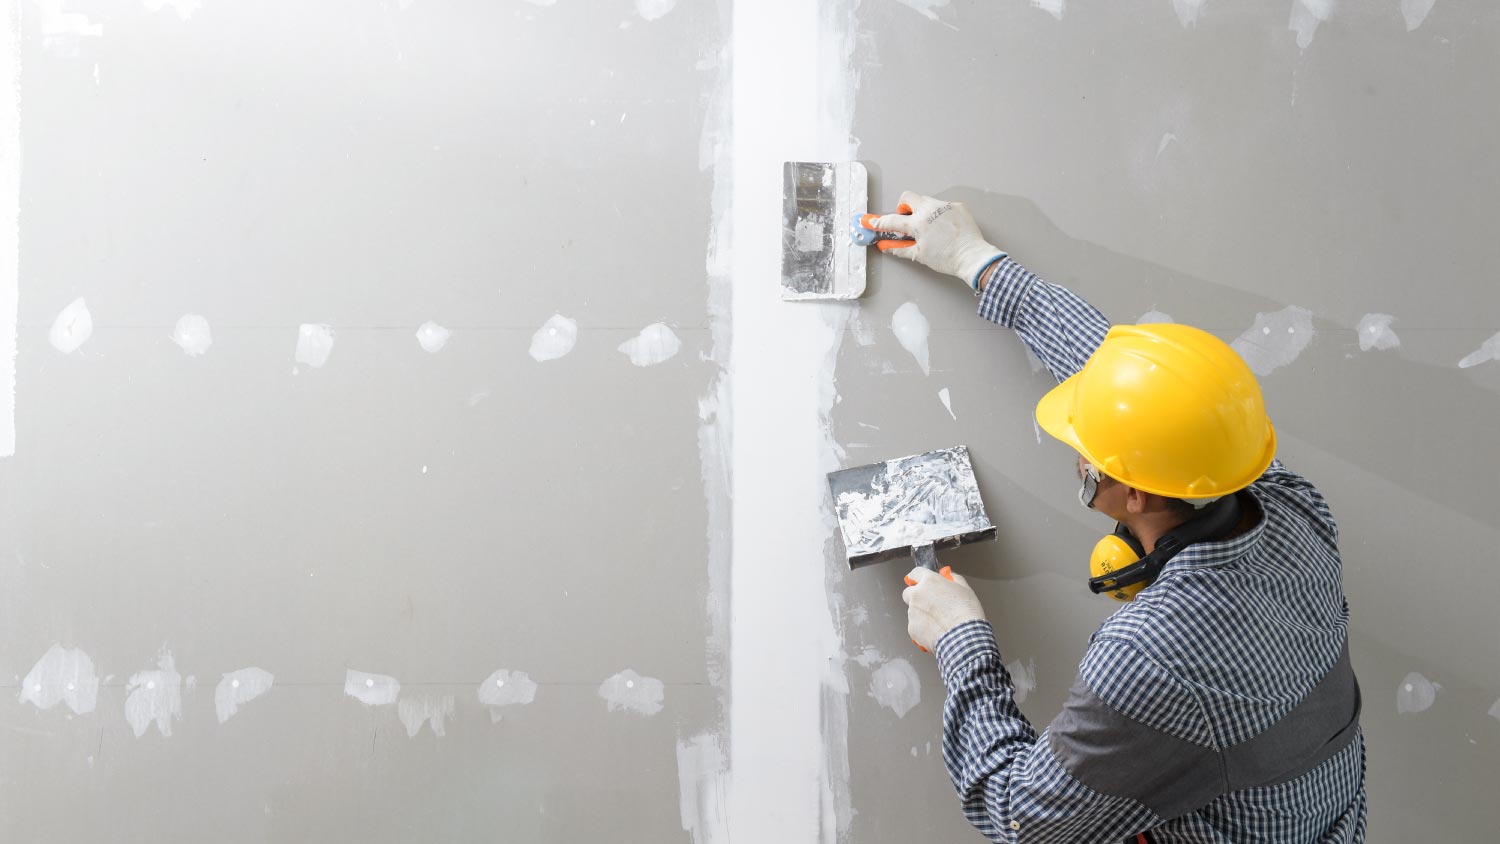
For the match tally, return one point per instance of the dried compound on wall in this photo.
(154, 697)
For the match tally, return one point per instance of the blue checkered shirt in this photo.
(1230, 638)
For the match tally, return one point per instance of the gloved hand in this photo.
(948, 239)
(937, 603)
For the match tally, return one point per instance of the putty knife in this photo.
(911, 505)
(818, 258)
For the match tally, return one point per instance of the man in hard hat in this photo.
(1218, 704)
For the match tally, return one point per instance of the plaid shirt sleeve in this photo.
(1012, 786)
(1057, 325)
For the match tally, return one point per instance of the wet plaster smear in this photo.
(788, 722)
(1375, 333)
(238, 688)
(72, 328)
(154, 697)
(1276, 339)
(506, 688)
(1488, 351)
(896, 686)
(1188, 11)
(630, 692)
(433, 711)
(554, 339)
(1416, 694)
(702, 798)
(1307, 16)
(314, 344)
(193, 335)
(371, 689)
(912, 331)
(432, 337)
(62, 676)
(655, 344)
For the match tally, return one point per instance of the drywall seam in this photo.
(10, 223)
(792, 98)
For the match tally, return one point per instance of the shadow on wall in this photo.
(1420, 426)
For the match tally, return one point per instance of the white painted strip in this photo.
(10, 227)
(792, 100)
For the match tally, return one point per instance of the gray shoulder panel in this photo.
(1121, 757)
(1322, 724)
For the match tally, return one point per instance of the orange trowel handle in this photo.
(897, 241)
(945, 571)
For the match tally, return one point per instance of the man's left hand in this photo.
(937, 604)
(947, 238)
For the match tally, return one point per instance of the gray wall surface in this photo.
(433, 517)
(373, 165)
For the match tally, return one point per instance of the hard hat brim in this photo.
(1052, 414)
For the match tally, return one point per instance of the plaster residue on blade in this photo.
(818, 261)
(911, 500)
(807, 250)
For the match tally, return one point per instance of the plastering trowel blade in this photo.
(818, 199)
(909, 506)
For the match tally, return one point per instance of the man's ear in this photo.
(1136, 501)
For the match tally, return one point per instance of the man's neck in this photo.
(1148, 528)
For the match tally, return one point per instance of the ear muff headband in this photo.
(1117, 560)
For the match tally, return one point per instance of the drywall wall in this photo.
(360, 496)
(405, 421)
(1238, 169)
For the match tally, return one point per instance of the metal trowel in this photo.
(819, 260)
(911, 505)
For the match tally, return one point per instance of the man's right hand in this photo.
(937, 603)
(947, 238)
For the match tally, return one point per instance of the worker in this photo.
(1218, 705)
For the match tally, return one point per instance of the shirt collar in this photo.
(1208, 554)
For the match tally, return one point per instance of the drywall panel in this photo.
(1213, 161)
(254, 452)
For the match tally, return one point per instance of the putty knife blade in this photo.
(818, 199)
(886, 508)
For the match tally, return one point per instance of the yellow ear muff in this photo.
(1110, 555)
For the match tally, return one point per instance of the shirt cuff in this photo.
(961, 647)
(1005, 292)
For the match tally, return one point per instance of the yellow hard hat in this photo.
(1167, 409)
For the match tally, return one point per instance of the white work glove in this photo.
(937, 603)
(948, 239)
